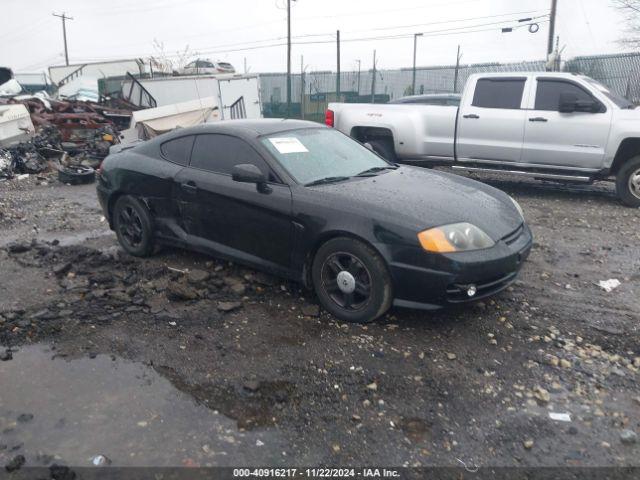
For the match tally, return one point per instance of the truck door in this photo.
(570, 139)
(491, 122)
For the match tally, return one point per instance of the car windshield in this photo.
(312, 155)
(620, 101)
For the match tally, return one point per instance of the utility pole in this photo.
(288, 58)
(358, 76)
(373, 79)
(338, 68)
(64, 33)
(415, 49)
(552, 28)
(455, 78)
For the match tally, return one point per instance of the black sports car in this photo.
(308, 203)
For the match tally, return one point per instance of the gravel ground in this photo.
(291, 385)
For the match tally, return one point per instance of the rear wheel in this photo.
(384, 147)
(134, 226)
(628, 182)
(351, 280)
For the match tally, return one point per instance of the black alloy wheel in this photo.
(346, 281)
(133, 225)
(351, 280)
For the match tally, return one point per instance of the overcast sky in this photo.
(225, 29)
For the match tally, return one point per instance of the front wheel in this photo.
(628, 182)
(351, 280)
(134, 226)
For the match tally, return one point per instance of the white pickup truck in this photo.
(554, 126)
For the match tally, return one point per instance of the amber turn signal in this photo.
(434, 240)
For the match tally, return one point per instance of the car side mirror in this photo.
(369, 146)
(248, 173)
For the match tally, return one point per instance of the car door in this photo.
(576, 139)
(237, 219)
(491, 124)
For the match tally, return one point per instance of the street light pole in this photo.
(338, 67)
(552, 27)
(415, 49)
(288, 58)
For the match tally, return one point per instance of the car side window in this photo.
(178, 150)
(549, 91)
(499, 93)
(220, 153)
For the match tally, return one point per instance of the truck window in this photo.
(499, 93)
(549, 91)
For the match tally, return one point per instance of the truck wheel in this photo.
(628, 183)
(384, 148)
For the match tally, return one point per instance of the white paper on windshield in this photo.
(288, 145)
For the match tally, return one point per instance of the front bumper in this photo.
(103, 199)
(429, 281)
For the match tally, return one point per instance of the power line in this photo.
(247, 46)
(445, 21)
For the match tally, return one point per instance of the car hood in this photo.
(422, 199)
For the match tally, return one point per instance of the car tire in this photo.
(628, 182)
(133, 224)
(76, 175)
(384, 147)
(366, 292)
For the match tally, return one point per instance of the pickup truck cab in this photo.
(553, 126)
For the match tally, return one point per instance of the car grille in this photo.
(513, 236)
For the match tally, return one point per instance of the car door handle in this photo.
(538, 119)
(471, 115)
(189, 187)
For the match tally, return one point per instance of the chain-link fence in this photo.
(312, 91)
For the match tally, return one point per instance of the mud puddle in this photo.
(56, 410)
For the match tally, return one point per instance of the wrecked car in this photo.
(310, 204)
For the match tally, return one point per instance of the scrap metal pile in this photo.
(68, 134)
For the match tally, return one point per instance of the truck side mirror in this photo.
(568, 103)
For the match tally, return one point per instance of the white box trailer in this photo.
(238, 96)
(15, 124)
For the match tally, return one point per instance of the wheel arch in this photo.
(628, 149)
(364, 134)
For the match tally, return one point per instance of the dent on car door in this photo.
(239, 219)
(491, 124)
(570, 139)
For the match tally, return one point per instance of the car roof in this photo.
(247, 129)
(257, 127)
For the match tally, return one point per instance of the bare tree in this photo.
(169, 62)
(630, 10)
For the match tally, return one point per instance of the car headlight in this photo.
(517, 205)
(458, 237)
